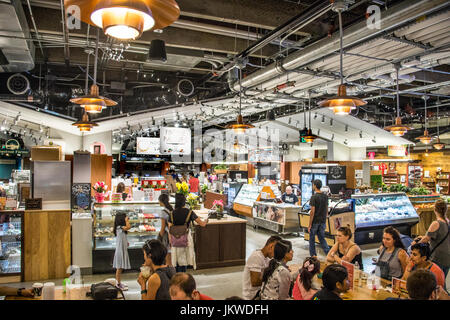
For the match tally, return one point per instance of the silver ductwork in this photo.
(18, 51)
(390, 19)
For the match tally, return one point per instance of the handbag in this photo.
(105, 291)
(179, 234)
(383, 266)
(442, 241)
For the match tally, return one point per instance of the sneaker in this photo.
(123, 287)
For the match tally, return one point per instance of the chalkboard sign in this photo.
(33, 204)
(81, 196)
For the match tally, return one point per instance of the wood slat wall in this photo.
(47, 244)
(101, 165)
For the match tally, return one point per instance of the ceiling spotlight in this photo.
(345, 142)
(346, 128)
(315, 116)
(331, 122)
(290, 120)
(332, 137)
(374, 140)
(323, 119)
(360, 134)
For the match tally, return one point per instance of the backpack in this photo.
(179, 234)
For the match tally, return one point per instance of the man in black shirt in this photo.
(288, 197)
(317, 219)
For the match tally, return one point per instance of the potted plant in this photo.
(100, 188)
(182, 188)
(192, 201)
(221, 169)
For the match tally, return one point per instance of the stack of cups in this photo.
(48, 292)
(74, 292)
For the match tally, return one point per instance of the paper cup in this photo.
(37, 289)
(48, 291)
(145, 271)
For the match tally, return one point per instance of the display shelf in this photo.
(248, 195)
(11, 258)
(383, 209)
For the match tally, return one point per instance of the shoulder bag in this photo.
(105, 291)
(442, 241)
(179, 234)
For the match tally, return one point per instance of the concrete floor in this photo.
(220, 283)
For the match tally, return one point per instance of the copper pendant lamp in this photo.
(398, 129)
(93, 102)
(438, 145)
(426, 138)
(310, 137)
(127, 19)
(342, 104)
(84, 124)
(240, 126)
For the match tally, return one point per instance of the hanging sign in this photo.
(397, 151)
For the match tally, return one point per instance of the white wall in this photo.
(338, 152)
(103, 137)
(357, 154)
(68, 142)
(298, 155)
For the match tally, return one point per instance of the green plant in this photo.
(221, 167)
(399, 188)
(420, 191)
(204, 188)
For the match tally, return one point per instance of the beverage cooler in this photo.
(11, 244)
(334, 177)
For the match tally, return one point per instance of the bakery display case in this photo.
(243, 203)
(11, 230)
(374, 212)
(145, 225)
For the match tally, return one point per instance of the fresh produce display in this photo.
(419, 191)
(399, 188)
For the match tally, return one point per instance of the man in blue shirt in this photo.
(289, 197)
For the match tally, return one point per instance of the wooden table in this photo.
(357, 293)
(78, 294)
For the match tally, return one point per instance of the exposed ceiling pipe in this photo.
(66, 34)
(35, 28)
(392, 18)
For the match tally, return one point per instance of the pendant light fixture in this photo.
(341, 104)
(127, 19)
(310, 137)
(426, 138)
(93, 102)
(84, 124)
(398, 129)
(240, 126)
(438, 145)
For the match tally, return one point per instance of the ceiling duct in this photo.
(18, 84)
(18, 51)
(3, 60)
(185, 87)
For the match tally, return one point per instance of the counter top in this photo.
(279, 205)
(171, 200)
(203, 214)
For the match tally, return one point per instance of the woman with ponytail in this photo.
(303, 289)
(277, 277)
(163, 235)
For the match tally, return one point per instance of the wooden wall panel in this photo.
(101, 165)
(47, 244)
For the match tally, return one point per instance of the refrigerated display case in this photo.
(374, 212)
(248, 195)
(279, 217)
(11, 244)
(145, 225)
(231, 190)
(306, 179)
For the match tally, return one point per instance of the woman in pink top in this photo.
(303, 289)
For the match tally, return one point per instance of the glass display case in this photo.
(144, 220)
(145, 224)
(248, 195)
(11, 226)
(375, 210)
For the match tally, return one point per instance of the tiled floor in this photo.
(220, 283)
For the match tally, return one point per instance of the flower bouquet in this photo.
(182, 188)
(218, 206)
(192, 201)
(100, 188)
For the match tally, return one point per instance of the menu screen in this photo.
(147, 145)
(175, 141)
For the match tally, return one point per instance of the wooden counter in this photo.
(221, 243)
(47, 244)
